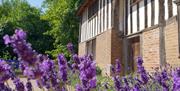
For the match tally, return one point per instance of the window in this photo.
(134, 52)
(91, 48)
(93, 9)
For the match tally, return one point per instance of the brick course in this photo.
(82, 49)
(150, 48)
(171, 43)
(103, 51)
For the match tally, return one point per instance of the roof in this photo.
(84, 4)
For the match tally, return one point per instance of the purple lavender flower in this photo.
(176, 80)
(37, 66)
(20, 34)
(29, 72)
(3, 87)
(21, 47)
(76, 59)
(118, 66)
(164, 75)
(5, 71)
(6, 39)
(92, 83)
(47, 65)
(126, 87)
(136, 87)
(79, 88)
(33, 73)
(70, 48)
(87, 70)
(113, 69)
(117, 83)
(62, 67)
(139, 61)
(19, 85)
(22, 66)
(142, 71)
(116, 70)
(29, 86)
(161, 78)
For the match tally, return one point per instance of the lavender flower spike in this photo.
(70, 48)
(20, 34)
(118, 66)
(7, 39)
(176, 80)
(142, 71)
(62, 67)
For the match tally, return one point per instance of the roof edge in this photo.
(85, 4)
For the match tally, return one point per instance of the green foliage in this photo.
(63, 23)
(19, 14)
(48, 32)
(98, 70)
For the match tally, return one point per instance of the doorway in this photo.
(134, 52)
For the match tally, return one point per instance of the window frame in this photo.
(91, 48)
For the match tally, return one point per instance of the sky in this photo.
(36, 3)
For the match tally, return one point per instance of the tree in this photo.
(63, 22)
(19, 14)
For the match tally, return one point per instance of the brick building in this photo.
(126, 29)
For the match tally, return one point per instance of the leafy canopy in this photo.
(63, 22)
(19, 14)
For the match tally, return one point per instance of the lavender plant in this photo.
(54, 77)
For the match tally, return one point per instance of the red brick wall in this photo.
(171, 44)
(108, 48)
(150, 48)
(103, 51)
(82, 49)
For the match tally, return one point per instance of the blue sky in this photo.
(36, 3)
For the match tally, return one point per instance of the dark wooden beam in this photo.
(125, 54)
(152, 12)
(115, 14)
(170, 9)
(100, 6)
(131, 19)
(138, 17)
(161, 33)
(126, 17)
(145, 13)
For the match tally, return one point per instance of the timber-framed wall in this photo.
(126, 29)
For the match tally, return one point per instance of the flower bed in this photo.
(80, 74)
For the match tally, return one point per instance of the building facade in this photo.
(126, 29)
